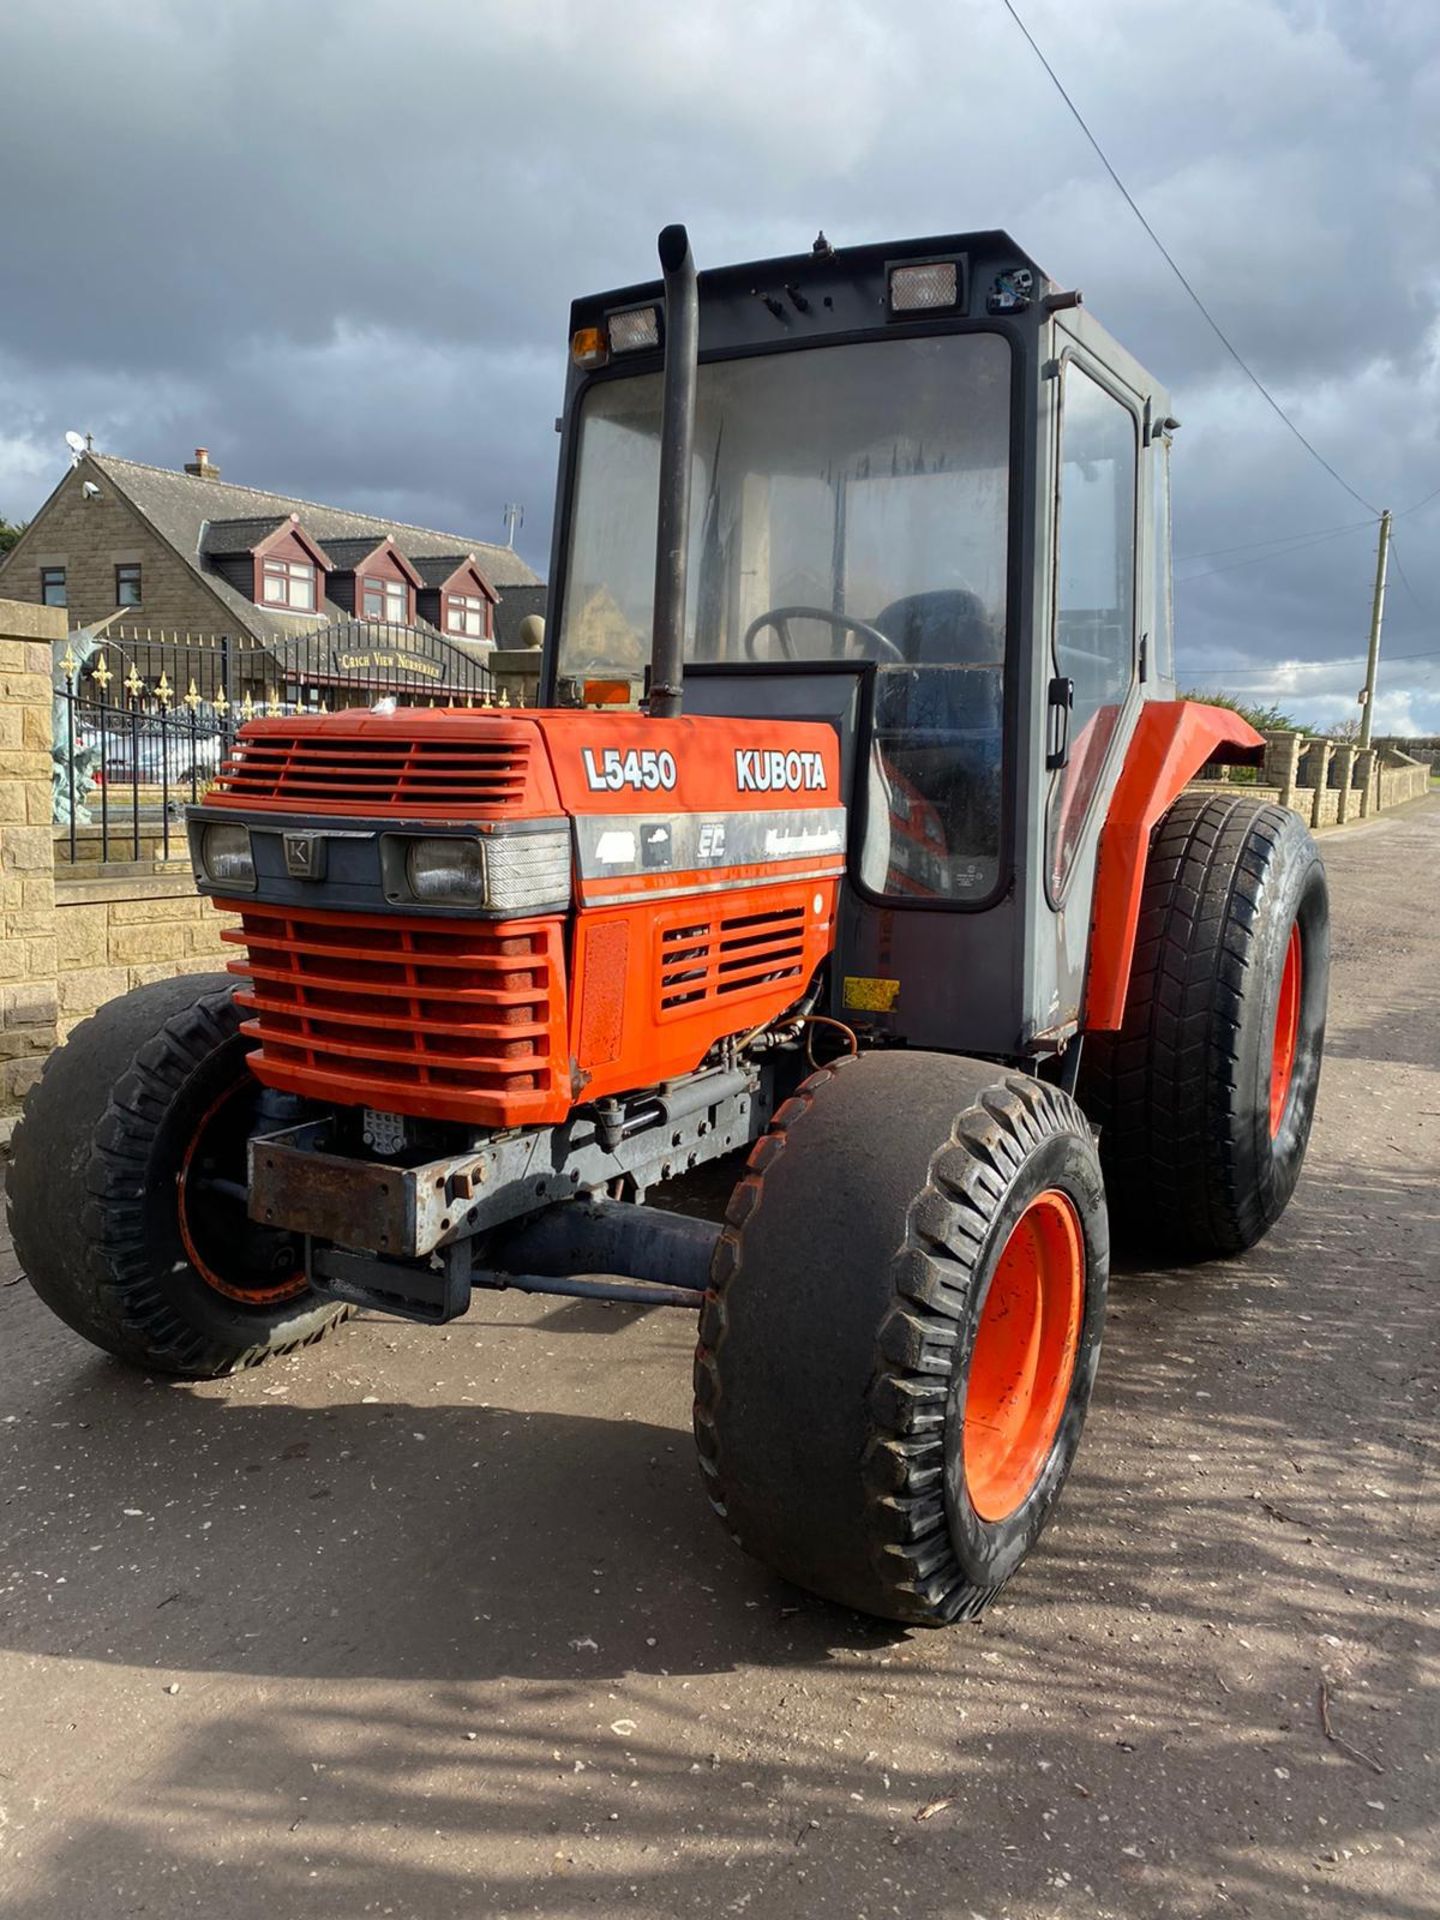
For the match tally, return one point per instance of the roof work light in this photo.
(634, 330)
(929, 285)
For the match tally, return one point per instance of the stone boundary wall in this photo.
(1328, 782)
(125, 930)
(71, 937)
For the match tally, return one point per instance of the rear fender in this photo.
(1173, 739)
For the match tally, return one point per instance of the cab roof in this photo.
(829, 289)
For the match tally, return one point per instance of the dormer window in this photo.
(382, 599)
(465, 615)
(270, 558)
(288, 583)
(455, 596)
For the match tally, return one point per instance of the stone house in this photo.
(192, 553)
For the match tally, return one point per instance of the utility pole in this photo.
(1377, 614)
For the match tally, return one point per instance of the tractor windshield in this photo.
(848, 502)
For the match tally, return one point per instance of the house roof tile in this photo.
(239, 536)
(347, 554)
(436, 568)
(181, 505)
(184, 508)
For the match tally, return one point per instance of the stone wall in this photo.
(69, 944)
(1398, 778)
(1328, 782)
(123, 930)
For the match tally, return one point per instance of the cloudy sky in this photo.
(335, 242)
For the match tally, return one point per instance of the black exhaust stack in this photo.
(677, 439)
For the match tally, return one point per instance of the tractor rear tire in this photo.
(1205, 1098)
(113, 1211)
(901, 1333)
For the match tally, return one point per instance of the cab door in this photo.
(1095, 652)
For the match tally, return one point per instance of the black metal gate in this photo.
(143, 718)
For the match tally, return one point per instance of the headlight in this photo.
(448, 873)
(226, 856)
(503, 873)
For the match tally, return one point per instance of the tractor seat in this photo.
(948, 627)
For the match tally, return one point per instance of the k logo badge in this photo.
(304, 856)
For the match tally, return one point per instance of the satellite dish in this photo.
(75, 441)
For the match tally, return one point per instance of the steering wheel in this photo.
(840, 623)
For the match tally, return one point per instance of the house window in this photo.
(52, 586)
(385, 600)
(289, 583)
(465, 613)
(127, 584)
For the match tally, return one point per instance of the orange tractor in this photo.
(852, 829)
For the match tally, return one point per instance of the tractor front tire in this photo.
(126, 1190)
(901, 1333)
(1205, 1098)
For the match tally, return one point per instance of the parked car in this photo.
(154, 753)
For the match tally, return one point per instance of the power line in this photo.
(1315, 540)
(1432, 654)
(1405, 512)
(1174, 267)
(1415, 599)
(1267, 673)
(1342, 660)
(1275, 540)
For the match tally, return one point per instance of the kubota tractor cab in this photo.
(852, 829)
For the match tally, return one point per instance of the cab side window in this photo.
(1094, 592)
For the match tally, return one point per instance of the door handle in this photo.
(1060, 706)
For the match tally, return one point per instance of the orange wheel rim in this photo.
(1287, 1032)
(288, 1287)
(1023, 1361)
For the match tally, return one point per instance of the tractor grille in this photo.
(711, 959)
(332, 772)
(454, 1020)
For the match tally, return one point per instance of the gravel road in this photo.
(438, 1624)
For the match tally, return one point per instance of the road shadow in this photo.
(342, 1515)
(1214, 1564)
(333, 1814)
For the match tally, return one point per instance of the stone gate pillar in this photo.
(1365, 779)
(1345, 781)
(1318, 756)
(1282, 764)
